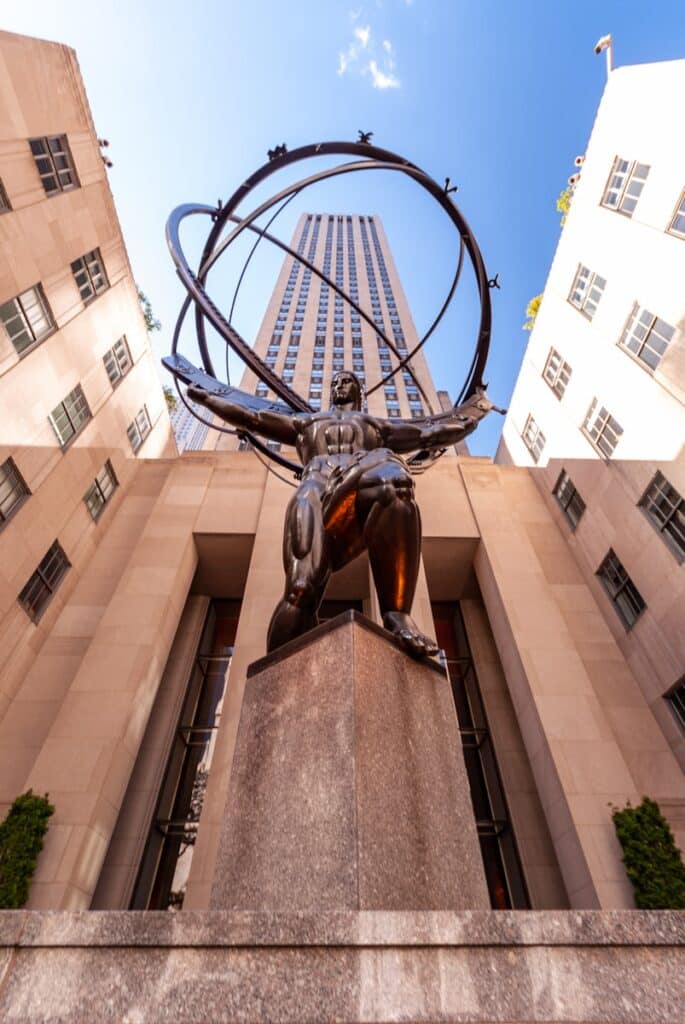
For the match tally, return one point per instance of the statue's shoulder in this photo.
(369, 420)
(305, 420)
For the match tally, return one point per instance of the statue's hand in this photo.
(197, 394)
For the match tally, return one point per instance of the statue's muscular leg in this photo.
(392, 532)
(306, 564)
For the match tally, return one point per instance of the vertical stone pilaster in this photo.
(577, 763)
(86, 761)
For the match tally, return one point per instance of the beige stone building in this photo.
(123, 701)
(80, 398)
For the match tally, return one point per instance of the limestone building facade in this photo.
(80, 397)
(123, 700)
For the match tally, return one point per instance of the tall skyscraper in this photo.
(599, 405)
(309, 331)
(189, 430)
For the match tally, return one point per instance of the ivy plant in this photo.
(654, 863)
(21, 840)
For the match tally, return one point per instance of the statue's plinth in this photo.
(348, 789)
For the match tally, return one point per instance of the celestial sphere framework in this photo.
(367, 157)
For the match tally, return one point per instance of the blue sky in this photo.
(498, 95)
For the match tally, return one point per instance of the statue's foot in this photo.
(287, 623)
(405, 629)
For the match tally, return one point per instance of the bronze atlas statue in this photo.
(355, 489)
(356, 494)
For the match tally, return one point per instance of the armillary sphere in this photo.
(367, 157)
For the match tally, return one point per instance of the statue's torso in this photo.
(328, 439)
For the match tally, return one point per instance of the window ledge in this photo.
(37, 343)
(15, 508)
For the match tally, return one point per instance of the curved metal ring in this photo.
(380, 159)
(207, 307)
(383, 160)
(384, 156)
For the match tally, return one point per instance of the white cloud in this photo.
(363, 56)
(390, 55)
(363, 34)
(382, 79)
(347, 58)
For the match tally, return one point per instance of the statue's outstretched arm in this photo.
(440, 432)
(272, 425)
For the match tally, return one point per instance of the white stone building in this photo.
(599, 401)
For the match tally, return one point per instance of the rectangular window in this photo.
(677, 225)
(70, 416)
(624, 186)
(570, 502)
(36, 595)
(27, 318)
(676, 700)
(13, 490)
(601, 429)
(89, 274)
(533, 438)
(117, 361)
(138, 429)
(646, 336)
(557, 373)
(54, 162)
(626, 598)
(665, 509)
(101, 490)
(5, 205)
(586, 291)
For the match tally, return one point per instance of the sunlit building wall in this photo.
(81, 403)
(599, 407)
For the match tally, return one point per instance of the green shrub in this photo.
(21, 840)
(653, 862)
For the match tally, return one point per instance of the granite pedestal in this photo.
(348, 789)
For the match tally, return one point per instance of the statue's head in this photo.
(346, 389)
